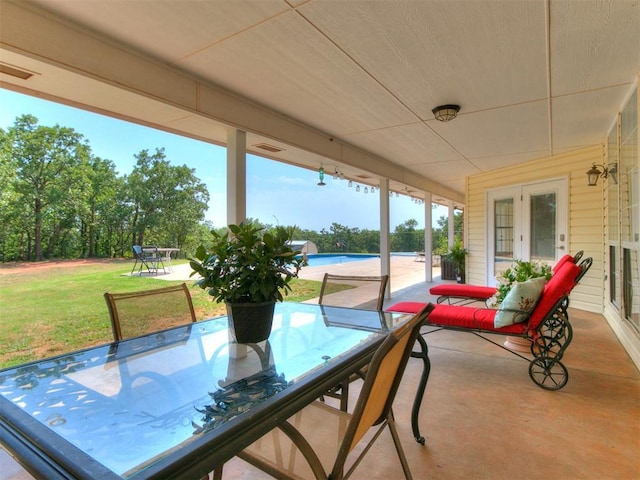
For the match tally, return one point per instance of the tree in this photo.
(49, 178)
(166, 200)
(440, 236)
(99, 217)
(406, 238)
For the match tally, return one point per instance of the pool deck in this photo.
(406, 283)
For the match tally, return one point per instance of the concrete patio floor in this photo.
(482, 416)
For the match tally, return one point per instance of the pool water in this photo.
(319, 259)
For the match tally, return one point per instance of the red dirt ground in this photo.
(18, 267)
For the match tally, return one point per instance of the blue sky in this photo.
(277, 193)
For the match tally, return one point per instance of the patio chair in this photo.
(465, 294)
(138, 313)
(319, 441)
(352, 291)
(546, 326)
(147, 257)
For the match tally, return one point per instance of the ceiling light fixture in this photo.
(446, 113)
(594, 173)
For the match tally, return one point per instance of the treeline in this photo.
(406, 237)
(58, 200)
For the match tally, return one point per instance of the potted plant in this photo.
(249, 269)
(458, 254)
(519, 272)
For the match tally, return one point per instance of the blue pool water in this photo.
(318, 259)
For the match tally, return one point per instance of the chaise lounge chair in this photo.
(546, 326)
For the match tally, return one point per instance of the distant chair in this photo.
(318, 441)
(147, 257)
(352, 291)
(138, 313)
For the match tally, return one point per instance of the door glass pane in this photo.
(631, 286)
(543, 227)
(503, 244)
(613, 276)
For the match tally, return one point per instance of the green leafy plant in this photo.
(519, 271)
(247, 264)
(458, 254)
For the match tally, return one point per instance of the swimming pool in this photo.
(318, 259)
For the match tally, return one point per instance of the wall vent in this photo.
(15, 72)
(268, 148)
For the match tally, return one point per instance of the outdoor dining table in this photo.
(167, 255)
(176, 403)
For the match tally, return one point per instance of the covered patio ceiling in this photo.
(347, 84)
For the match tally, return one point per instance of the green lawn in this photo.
(48, 312)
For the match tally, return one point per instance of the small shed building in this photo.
(305, 246)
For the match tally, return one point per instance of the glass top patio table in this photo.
(178, 402)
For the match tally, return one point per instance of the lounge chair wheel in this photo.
(547, 373)
(556, 328)
(547, 347)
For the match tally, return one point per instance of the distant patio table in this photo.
(176, 403)
(167, 255)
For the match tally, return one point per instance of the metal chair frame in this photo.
(373, 409)
(113, 300)
(353, 280)
(149, 258)
(341, 391)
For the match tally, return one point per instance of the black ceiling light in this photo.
(446, 113)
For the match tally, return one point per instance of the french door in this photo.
(526, 222)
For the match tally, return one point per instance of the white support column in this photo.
(236, 176)
(451, 232)
(236, 197)
(428, 242)
(385, 244)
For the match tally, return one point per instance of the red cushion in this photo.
(561, 283)
(469, 317)
(566, 258)
(406, 307)
(462, 290)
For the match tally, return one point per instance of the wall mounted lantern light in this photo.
(594, 173)
(446, 113)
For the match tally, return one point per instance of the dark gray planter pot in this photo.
(250, 322)
(447, 268)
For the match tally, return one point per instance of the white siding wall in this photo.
(586, 216)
